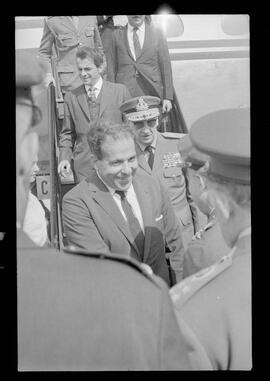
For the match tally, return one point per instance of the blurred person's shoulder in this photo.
(60, 265)
(184, 291)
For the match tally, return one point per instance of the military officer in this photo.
(65, 34)
(216, 302)
(158, 155)
(207, 245)
(78, 311)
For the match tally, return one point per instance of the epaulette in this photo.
(185, 289)
(172, 135)
(140, 267)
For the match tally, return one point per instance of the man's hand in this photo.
(166, 105)
(48, 79)
(64, 168)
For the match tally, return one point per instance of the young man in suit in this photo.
(96, 220)
(216, 301)
(158, 155)
(80, 311)
(64, 35)
(93, 100)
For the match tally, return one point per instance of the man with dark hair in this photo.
(65, 34)
(216, 301)
(94, 99)
(82, 311)
(158, 155)
(95, 215)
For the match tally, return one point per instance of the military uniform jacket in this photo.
(92, 221)
(153, 65)
(77, 123)
(166, 167)
(206, 248)
(216, 303)
(60, 32)
(91, 312)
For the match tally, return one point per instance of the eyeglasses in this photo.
(150, 123)
(36, 112)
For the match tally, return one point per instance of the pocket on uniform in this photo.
(172, 172)
(89, 31)
(67, 39)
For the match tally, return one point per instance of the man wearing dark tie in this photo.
(94, 99)
(158, 155)
(118, 209)
(139, 58)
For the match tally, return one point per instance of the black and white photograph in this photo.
(133, 192)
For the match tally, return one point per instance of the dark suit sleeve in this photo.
(79, 226)
(46, 45)
(112, 59)
(165, 67)
(67, 135)
(99, 46)
(172, 234)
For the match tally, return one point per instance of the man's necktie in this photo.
(133, 223)
(136, 42)
(151, 156)
(91, 94)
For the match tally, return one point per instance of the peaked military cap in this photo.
(141, 108)
(225, 136)
(194, 158)
(29, 72)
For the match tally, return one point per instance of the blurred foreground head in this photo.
(225, 136)
(29, 73)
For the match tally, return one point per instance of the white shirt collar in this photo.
(97, 86)
(141, 28)
(143, 146)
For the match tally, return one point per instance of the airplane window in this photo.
(235, 25)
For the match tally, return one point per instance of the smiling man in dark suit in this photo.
(94, 212)
(94, 99)
(81, 311)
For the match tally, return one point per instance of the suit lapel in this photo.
(159, 152)
(67, 23)
(146, 42)
(103, 197)
(82, 101)
(105, 97)
(144, 199)
(125, 40)
(83, 20)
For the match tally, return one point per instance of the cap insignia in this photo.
(141, 105)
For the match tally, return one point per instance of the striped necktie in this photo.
(91, 93)
(136, 42)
